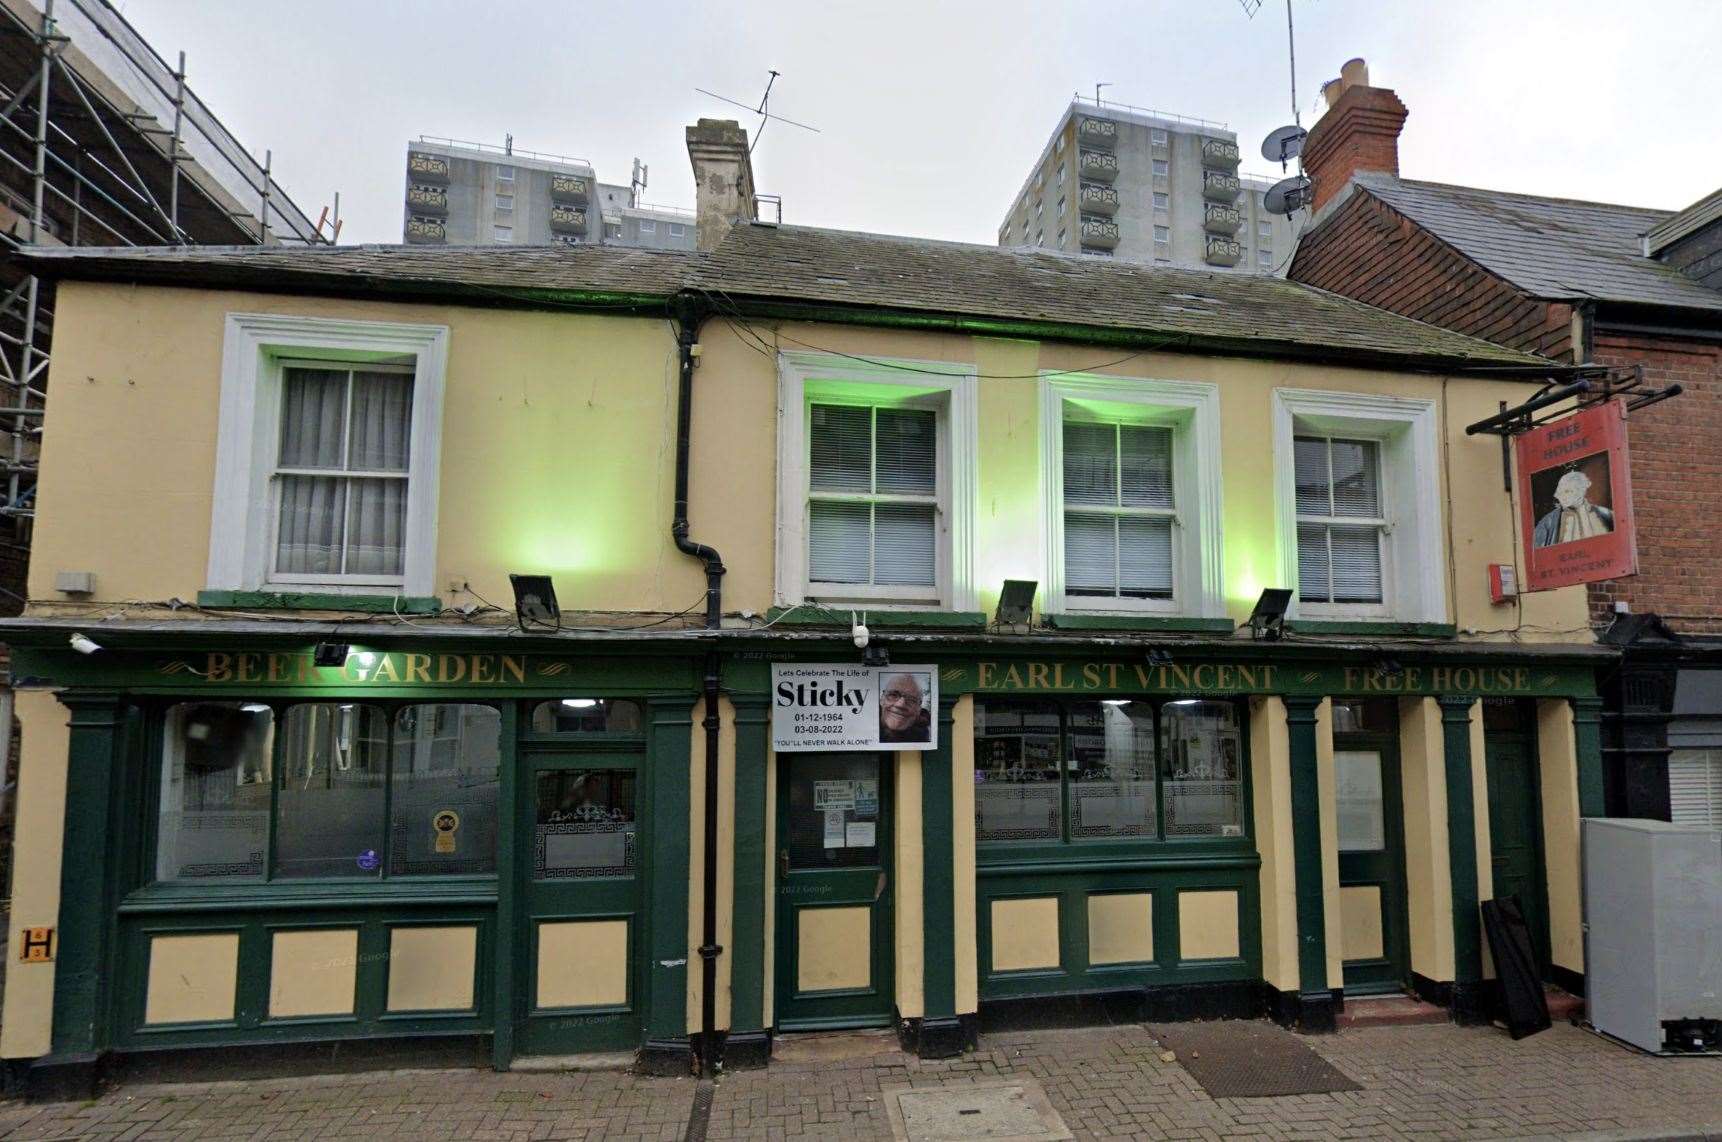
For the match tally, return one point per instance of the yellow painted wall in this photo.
(1428, 876)
(1480, 809)
(582, 963)
(313, 972)
(26, 1024)
(192, 979)
(697, 859)
(1025, 933)
(557, 451)
(963, 855)
(1557, 754)
(1327, 789)
(557, 448)
(906, 901)
(431, 968)
(834, 948)
(1208, 925)
(1270, 786)
(1120, 927)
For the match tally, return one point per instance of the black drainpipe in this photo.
(690, 311)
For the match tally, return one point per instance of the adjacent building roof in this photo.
(1547, 247)
(1684, 224)
(842, 275)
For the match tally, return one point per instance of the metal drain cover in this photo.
(1015, 1111)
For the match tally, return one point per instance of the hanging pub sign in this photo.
(1575, 499)
(817, 706)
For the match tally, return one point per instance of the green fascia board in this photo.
(816, 615)
(1346, 626)
(312, 601)
(1138, 623)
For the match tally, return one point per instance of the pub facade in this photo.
(308, 766)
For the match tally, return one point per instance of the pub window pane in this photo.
(584, 824)
(330, 790)
(443, 800)
(833, 818)
(1016, 771)
(1362, 819)
(1110, 766)
(1201, 750)
(589, 716)
(214, 818)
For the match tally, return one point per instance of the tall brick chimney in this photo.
(1358, 133)
(723, 178)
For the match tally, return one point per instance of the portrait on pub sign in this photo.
(1572, 501)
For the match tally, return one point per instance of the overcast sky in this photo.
(931, 112)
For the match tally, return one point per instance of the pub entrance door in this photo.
(834, 931)
(1375, 935)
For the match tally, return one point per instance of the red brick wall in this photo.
(1676, 485)
(1359, 133)
(1369, 251)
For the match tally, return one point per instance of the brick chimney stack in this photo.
(723, 179)
(1358, 133)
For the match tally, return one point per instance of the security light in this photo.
(875, 655)
(84, 644)
(535, 600)
(1159, 656)
(329, 654)
(1268, 620)
(1390, 667)
(1016, 602)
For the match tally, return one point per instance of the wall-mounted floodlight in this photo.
(535, 601)
(875, 654)
(1159, 656)
(1390, 667)
(329, 654)
(1268, 620)
(1016, 602)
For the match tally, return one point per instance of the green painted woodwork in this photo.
(1306, 848)
(815, 615)
(668, 862)
(251, 1024)
(1339, 626)
(1516, 830)
(938, 880)
(1382, 869)
(801, 890)
(312, 601)
(1138, 623)
(509, 890)
(1462, 839)
(747, 924)
(1587, 734)
(1072, 884)
(87, 882)
(611, 1027)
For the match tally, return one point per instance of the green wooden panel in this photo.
(311, 601)
(747, 926)
(1307, 847)
(666, 777)
(1462, 839)
(87, 874)
(1587, 732)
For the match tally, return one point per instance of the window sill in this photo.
(259, 895)
(319, 601)
(1366, 626)
(1072, 621)
(820, 615)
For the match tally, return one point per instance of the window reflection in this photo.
(1111, 769)
(443, 803)
(329, 799)
(1016, 771)
(589, 716)
(1201, 751)
(584, 824)
(214, 816)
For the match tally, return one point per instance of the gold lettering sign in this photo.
(290, 668)
(1250, 678)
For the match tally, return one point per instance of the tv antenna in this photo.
(765, 116)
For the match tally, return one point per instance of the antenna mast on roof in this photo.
(764, 115)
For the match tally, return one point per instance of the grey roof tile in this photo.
(1547, 247)
(796, 264)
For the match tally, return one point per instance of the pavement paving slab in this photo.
(1429, 1081)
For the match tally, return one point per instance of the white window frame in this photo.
(502, 233)
(1192, 410)
(243, 513)
(1158, 137)
(1162, 201)
(678, 230)
(648, 226)
(1414, 556)
(508, 205)
(946, 387)
(1161, 168)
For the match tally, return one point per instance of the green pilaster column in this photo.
(667, 766)
(941, 1033)
(508, 937)
(1587, 743)
(88, 858)
(1462, 858)
(748, 1044)
(1315, 992)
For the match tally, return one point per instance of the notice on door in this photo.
(841, 707)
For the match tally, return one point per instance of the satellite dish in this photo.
(1287, 196)
(1284, 144)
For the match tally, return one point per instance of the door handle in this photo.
(783, 863)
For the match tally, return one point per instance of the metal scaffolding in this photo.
(101, 144)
